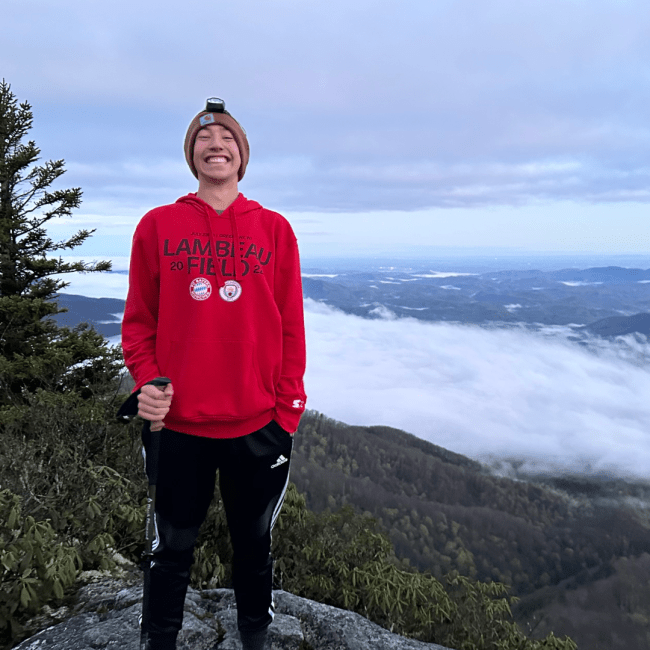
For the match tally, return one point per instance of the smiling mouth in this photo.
(216, 159)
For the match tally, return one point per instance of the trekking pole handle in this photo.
(160, 383)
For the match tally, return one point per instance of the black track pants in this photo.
(253, 477)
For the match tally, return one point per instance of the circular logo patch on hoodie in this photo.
(200, 289)
(230, 291)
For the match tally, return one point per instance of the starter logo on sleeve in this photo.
(230, 291)
(200, 289)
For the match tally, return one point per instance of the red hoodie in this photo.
(229, 335)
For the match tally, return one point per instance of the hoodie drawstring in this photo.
(235, 244)
(235, 235)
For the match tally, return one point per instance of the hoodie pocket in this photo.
(216, 380)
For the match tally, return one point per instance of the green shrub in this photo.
(73, 488)
(212, 566)
(36, 566)
(74, 467)
(482, 619)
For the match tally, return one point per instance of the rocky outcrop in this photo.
(106, 616)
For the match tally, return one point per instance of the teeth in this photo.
(216, 159)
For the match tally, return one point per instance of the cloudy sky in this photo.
(374, 126)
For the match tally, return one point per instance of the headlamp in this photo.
(215, 105)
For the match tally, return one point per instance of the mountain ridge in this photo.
(443, 513)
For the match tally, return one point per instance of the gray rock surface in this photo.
(106, 616)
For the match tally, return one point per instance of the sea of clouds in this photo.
(502, 396)
(492, 394)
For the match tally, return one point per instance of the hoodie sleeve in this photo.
(290, 393)
(139, 325)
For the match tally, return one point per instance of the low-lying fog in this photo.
(491, 394)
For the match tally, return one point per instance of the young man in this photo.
(215, 304)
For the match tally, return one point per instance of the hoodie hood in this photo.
(241, 205)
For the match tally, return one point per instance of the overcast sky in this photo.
(374, 126)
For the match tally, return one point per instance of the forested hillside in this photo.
(443, 511)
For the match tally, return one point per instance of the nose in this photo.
(216, 142)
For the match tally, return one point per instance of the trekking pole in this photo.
(152, 460)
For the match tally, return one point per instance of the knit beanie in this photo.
(225, 119)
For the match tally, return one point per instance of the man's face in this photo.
(216, 155)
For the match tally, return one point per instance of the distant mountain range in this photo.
(608, 301)
(104, 314)
(568, 296)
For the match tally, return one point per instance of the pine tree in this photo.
(34, 351)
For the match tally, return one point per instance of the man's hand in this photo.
(154, 403)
